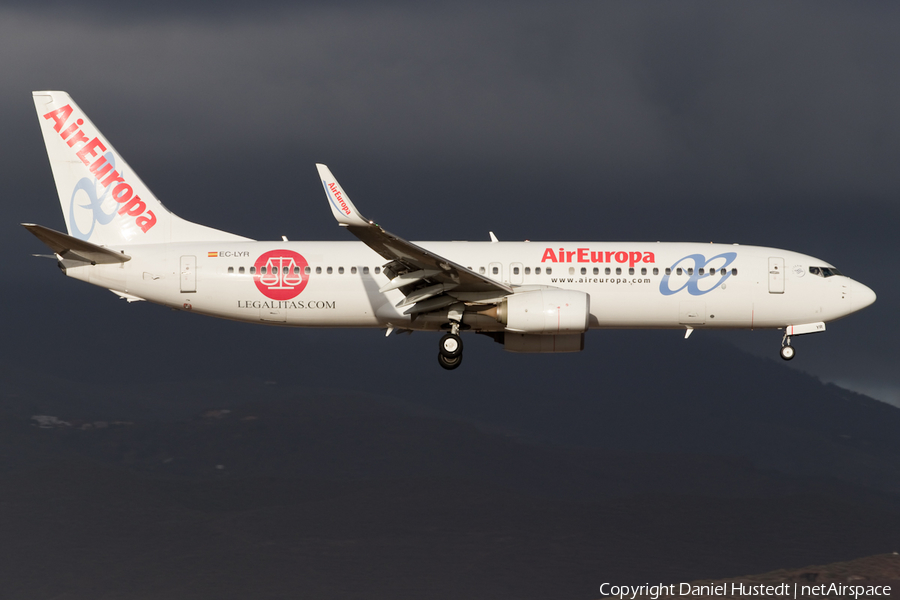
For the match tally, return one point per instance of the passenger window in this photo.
(231, 270)
(643, 270)
(307, 270)
(340, 270)
(240, 270)
(377, 270)
(296, 270)
(481, 270)
(318, 270)
(631, 270)
(262, 270)
(548, 270)
(618, 270)
(571, 270)
(701, 271)
(537, 270)
(365, 270)
(285, 270)
(528, 270)
(353, 270)
(583, 270)
(330, 270)
(252, 270)
(678, 271)
(734, 271)
(495, 270)
(655, 271)
(608, 271)
(690, 270)
(596, 270)
(515, 270)
(722, 272)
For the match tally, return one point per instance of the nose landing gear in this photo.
(787, 351)
(450, 348)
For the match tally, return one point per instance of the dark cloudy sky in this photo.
(760, 123)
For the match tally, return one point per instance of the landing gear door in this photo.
(189, 274)
(776, 275)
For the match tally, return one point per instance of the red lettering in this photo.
(68, 131)
(633, 257)
(90, 150)
(649, 257)
(60, 115)
(597, 257)
(582, 255)
(134, 207)
(337, 195)
(146, 223)
(78, 137)
(100, 167)
(569, 255)
(122, 193)
(609, 256)
(621, 257)
(548, 255)
(113, 177)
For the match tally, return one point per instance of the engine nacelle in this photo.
(527, 343)
(546, 312)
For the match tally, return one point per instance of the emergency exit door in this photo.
(776, 275)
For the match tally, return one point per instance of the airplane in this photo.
(529, 296)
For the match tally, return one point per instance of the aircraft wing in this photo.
(423, 276)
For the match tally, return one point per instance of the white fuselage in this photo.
(336, 284)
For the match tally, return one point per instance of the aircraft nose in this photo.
(861, 296)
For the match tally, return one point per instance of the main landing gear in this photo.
(450, 348)
(787, 351)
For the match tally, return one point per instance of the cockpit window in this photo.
(824, 271)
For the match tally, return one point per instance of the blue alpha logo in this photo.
(86, 189)
(702, 275)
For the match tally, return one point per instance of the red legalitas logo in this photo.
(280, 274)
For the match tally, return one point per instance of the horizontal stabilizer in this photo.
(72, 248)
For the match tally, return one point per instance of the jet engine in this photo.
(546, 312)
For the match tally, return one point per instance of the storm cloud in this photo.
(764, 123)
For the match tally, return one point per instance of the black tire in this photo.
(449, 363)
(451, 346)
(787, 352)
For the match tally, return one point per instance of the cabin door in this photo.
(776, 275)
(188, 274)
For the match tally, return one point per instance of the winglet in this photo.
(344, 211)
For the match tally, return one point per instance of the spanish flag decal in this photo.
(212, 255)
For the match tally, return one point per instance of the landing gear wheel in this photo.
(449, 363)
(787, 352)
(451, 346)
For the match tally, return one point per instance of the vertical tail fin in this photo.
(102, 199)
